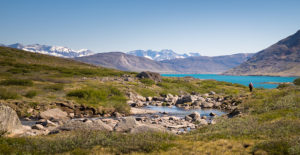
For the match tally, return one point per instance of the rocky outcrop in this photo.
(150, 75)
(9, 120)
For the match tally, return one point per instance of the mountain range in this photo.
(125, 62)
(52, 50)
(207, 65)
(164, 61)
(280, 59)
(165, 54)
(190, 65)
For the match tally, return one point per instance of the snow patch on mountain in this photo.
(165, 54)
(59, 51)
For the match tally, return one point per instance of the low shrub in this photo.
(297, 82)
(105, 96)
(273, 147)
(82, 142)
(5, 94)
(17, 82)
(18, 70)
(55, 87)
(147, 82)
(280, 86)
(31, 94)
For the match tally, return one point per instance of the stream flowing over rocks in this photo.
(168, 113)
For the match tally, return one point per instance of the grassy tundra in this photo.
(269, 124)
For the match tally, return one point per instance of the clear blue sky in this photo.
(209, 27)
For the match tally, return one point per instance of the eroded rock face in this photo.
(54, 114)
(9, 120)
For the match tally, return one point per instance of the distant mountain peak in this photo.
(59, 51)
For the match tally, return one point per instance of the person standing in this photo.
(251, 86)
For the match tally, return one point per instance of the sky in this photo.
(209, 27)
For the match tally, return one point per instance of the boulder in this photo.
(196, 103)
(137, 104)
(206, 95)
(150, 75)
(186, 98)
(87, 125)
(202, 121)
(149, 98)
(9, 120)
(126, 124)
(212, 114)
(54, 114)
(136, 97)
(195, 116)
(38, 127)
(212, 93)
(188, 118)
(201, 99)
(207, 105)
(136, 111)
(116, 114)
(217, 104)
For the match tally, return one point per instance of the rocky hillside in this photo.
(280, 59)
(125, 62)
(205, 64)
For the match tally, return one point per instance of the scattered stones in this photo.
(55, 120)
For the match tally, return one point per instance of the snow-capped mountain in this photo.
(165, 54)
(53, 50)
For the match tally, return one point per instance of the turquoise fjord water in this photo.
(258, 81)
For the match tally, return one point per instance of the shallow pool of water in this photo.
(181, 112)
